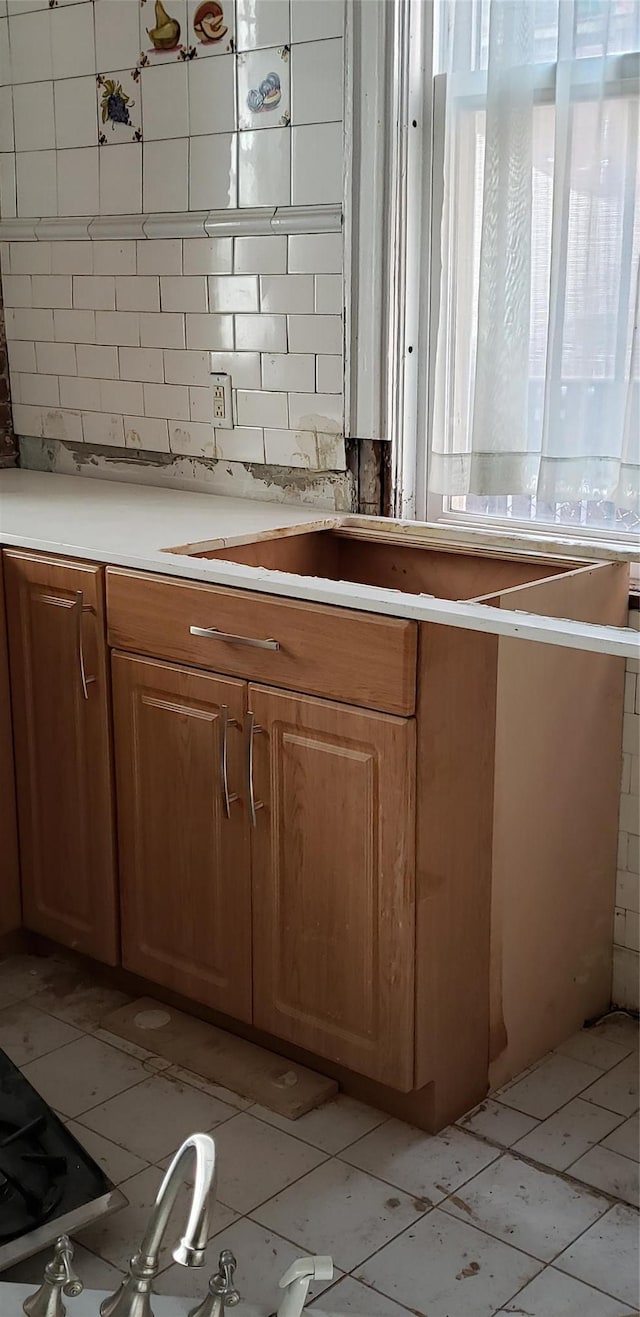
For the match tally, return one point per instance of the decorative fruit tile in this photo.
(119, 110)
(264, 96)
(164, 32)
(211, 26)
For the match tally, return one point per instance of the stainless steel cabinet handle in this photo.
(253, 729)
(227, 796)
(210, 633)
(80, 608)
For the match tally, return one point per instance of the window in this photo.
(534, 383)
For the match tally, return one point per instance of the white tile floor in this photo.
(526, 1206)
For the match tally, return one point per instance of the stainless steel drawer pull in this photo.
(210, 633)
(81, 608)
(253, 729)
(227, 796)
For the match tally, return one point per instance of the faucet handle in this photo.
(63, 1256)
(222, 1292)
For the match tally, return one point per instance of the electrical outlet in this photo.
(221, 392)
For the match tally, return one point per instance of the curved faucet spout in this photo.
(132, 1298)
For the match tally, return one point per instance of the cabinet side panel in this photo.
(558, 758)
(456, 712)
(10, 911)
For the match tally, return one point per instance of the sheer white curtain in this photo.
(537, 376)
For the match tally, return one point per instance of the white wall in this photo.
(626, 951)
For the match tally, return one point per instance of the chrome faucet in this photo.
(133, 1296)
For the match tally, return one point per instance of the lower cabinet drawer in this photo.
(358, 658)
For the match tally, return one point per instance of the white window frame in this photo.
(395, 121)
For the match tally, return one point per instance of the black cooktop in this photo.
(44, 1172)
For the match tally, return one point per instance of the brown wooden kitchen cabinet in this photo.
(60, 697)
(10, 912)
(183, 836)
(333, 881)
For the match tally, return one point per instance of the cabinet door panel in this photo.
(184, 864)
(63, 756)
(10, 912)
(333, 882)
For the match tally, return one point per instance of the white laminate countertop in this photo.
(132, 525)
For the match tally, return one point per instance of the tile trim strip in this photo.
(181, 224)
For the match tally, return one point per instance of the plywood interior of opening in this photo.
(339, 556)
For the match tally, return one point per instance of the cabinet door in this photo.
(10, 916)
(333, 881)
(61, 722)
(184, 843)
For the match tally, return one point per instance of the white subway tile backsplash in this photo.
(145, 364)
(27, 420)
(242, 444)
(96, 362)
(147, 432)
(316, 20)
(233, 292)
(72, 41)
(123, 396)
(60, 423)
(316, 81)
(23, 322)
(78, 181)
(165, 101)
(329, 377)
(322, 334)
(315, 411)
(207, 256)
(121, 177)
(120, 328)
(80, 393)
(33, 116)
(70, 257)
(75, 113)
(32, 257)
(264, 167)
(184, 293)
(291, 448)
(98, 428)
(262, 23)
(288, 371)
(168, 400)
(187, 367)
(36, 182)
(255, 255)
(193, 439)
(139, 294)
(213, 332)
(211, 96)
(161, 255)
(329, 294)
(316, 164)
(315, 253)
(94, 292)
(331, 452)
(51, 290)
(213, 172)
(286, 292)
(16, 289)
(261, 333)
(200, 404)
(113, 256)
(162, 330)
(73, 327)
(243, 367)
(41, 390)
(22, 356)
(262, 409)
